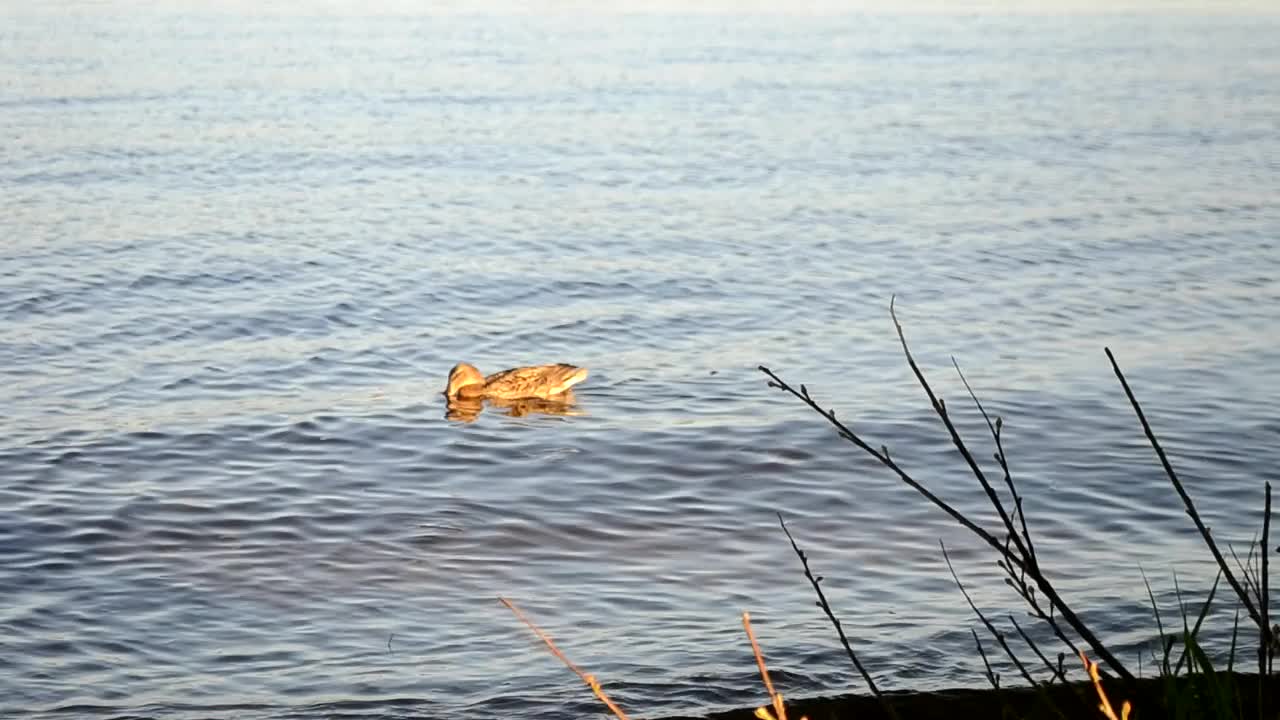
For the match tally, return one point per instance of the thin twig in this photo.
(1019, 559)
(587, 678)
(1057, 673)
(1024, 553)
(1264, 599)
(1265, 642)
(1027, 593)
(991, 675)
(1186, 499)
(991, 629)
(940, 408)
(835, 622)
(883, 457)
(996, 429)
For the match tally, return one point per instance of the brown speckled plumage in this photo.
(539, 381)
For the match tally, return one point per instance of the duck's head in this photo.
(465, 381)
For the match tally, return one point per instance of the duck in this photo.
(546, 382)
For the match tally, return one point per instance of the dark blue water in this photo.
(242, 247)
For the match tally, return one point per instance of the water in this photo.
(242, 247)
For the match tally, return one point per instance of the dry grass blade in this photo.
(587, 678)
(755, 649)
(775, 698)
(1247, 567)
(1104, 703)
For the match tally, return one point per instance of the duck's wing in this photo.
(537, 381)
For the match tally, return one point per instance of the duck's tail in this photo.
(565, 377)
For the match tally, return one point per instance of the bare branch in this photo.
(991, 629)
(1266, 644)
(1186, 500)
(996, 429)
(835, 622)
(940, 409)
(883, 457)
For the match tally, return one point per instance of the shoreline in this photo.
(1070, 701)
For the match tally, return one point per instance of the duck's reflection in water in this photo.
(468, 409)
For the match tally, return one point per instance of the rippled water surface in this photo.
(242, 247)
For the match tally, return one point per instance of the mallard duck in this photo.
(539, 381)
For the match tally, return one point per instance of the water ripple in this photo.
(233, 283)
